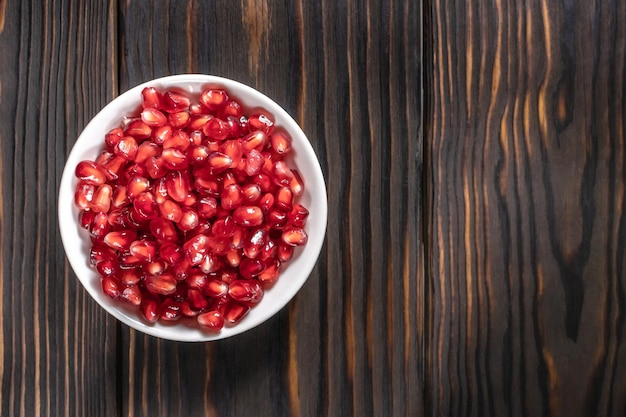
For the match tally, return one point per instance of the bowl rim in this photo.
(66, 205)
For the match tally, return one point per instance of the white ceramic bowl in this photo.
(293, 275)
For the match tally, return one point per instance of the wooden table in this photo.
(474, 157)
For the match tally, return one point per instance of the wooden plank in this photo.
(57, 347)
(350, 74)
(526, 231)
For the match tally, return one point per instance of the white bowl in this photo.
(76, 240)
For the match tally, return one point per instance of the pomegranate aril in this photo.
(100, 226)
(187, 310)
(138, 129)
(207, 207)
(267, 202)
(246, 291)
(281, 142)
(284, 252)
(113, 137)
(178, 140)
(119, 198)
(196, 155)
(132, 295)
(113, 167)
(235, 312)
(163, 284)
(212, 320)
(196, 299)
(239, 234)
(296, 185)
(170, 210)
(254, 242)
(153, 117)
(218, 162)
(179, 119)
(232, 196)
(156, 167)
(170, 310)
(270, 273)
(250, 268)
(174, 159)
(136, 186)
(120, 240)
(216, 129)
(282, 175)
(284, 199)
(128, 260)
(294, 237)
(214, 99)
(261, 122)
(111, 287)
(233, 109)
(145, 206)
(150, 98)
(265, 182)
(177, 185)
(174, 102)
(216, 288)
(298, 215)
(149, 308)
(254, 140)
(108, 267)
(100, 252)
(144, 250)
(196, 279)
(90, 173)
(198, 121)
(269, 250)
(251, 193)
(85, 217)
(248, 216)
(233, 149)
(171, 253)
(161, 134)
(189, 220)
(211, 262)
(195, 248)
(83, 195)
(130, 276)
(277, 219)
(163, 230)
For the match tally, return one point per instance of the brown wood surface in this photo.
(474, 158)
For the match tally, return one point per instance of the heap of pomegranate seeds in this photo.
(191, 208)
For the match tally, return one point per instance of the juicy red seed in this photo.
(265, 182)
(246, 291)
(218, 162)
(269, 250)
(189, 219)
(136, 186)
(294, 237)
(284, 252)
(254, 242)
(277, 219)
(112, 137)
(197, 280)
(216, 288)
(254, 162)
(120, 240)
(198, 121)
(233, 149)
(282, 174)
(153, 117)
(196, 299)
(132, 295)
(284, 199)
(261, 122)
(144, 250)
(108, 267)
(120, 198)
(171, 253)
(214, 99)
(101, 201)
(281, 143)
(99, 252)
(145, 206)
(211, 262)
(177, 185)
(235, 312)
(162, 134)
(130, 276)
(91, 173)
(85, 217)
(150, 98)
(163, 230)
(251, 193)
(298, 215)
(128, 260)
(248, 216)
(170, 310)
(170, 210)
(100, 226)
(213, 320)
(179, 140)
(207, 207)
(179, 119)
(216, 129)
(239, 235)
(83, 195)
(270, 273)
(138, 129)
(149, 309)
(232, 196)
(267, 201)
(187, 310)
(224, 227)
(195, 248)
(174, 159)
(111, 287)
(196, 155)
(254, 140)
(164, 284)
(250, 268)
(233, 257)
(233, 109)
(296, 184)
(156, 167)
(173, 102)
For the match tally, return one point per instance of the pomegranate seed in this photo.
(281, 143)
(164, 284)
(248, 216)
(171, 253)
(197, 280)
(198, 121)
(298, 215)
(177, 185)
(174, 159)
(162, 134)
(277, 219)
(120, 240)
(149, 308)
(216, 129)
(212, 320)
(196, 155)
(138, 129)
(254, 242)
(269, 250)
(181, 269)
(282, 174)
(296, 184)
(187, 311)
(153, 117)
(251, 193)
(151, 98)
(189, 219)
(224, 227)
(207, 207)
(128, 261)
(232, 109)
(196, 299)
(246, 291)
(85, 218)
(218, 162)
(163, 230)
(83, 195)
(239, 235)
(179, 140)
(99, 252)
(100, 226)
(216, 288)
(170, 310)
(144, 250)
(210, 262)
(284, 199)
(111, 287)
(156, 167)
(214, 99)
(235, 312)
(284, 252)
(108, 267)
(179, 119)
(233, 257)
(132, 295)
(265, 182)
(101, 201)
(130, 276)
(250, 268)
(254, 140)
(136, 186)
(195, 248)
(90, 173)
(174, 102)
(233, 149)
(294, 237)
(261, 122)
(267, 201)
(232, 196)
(145, 206)
(113, 137)
(170, 210)
(270, 273)
(120, 198)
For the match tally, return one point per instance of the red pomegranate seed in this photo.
(187, 310)
(149, 308)
(112, 137)
(207, 207)
(265, 182)
(132, 295)
(144, 250)
(281, 143)
(120, 240)
(189, 219)
(254, 242)
(233, 257)
(163, 230)
(296, 184)
(196, 155)
(277, 219)
(248, 216)
(232, 109)
(108, 267)
(294, 237)
(261, 122)
(113, 167)
(164, 284)
(251, 193)
(233, 149)
(83, 196)
(269, 250)
(151, 98)
(284, 199)
(178, 186)
(235, 312)
(179, 119)
(111, 287)
(282, 175)
(130, 276)
(214, 99)
(254, 140)
(179, 140)
(216, 288)
(100, 226)
(211, 262)
(174, 102)
(216, 129)
(232, 196)
(298, 215)
(213, 320)
(171, 253)
(250, 268)
(153, 117)
(162, 134)
(284, 252)
(85, 218)
(239, 235)
(156, 167)
(267, 201)
(198, 121)
(101, 201)
(145, 206)
(128, 260)
(138, 129)
(196, 279)
(136, 186)
(270, 273)
(90, 173)
(174, 159)
(195, 248)
(246, 291)
(120, 198)
(218, 162)
(170, 210)
(99, 252)
(170, 310)
(196, 299)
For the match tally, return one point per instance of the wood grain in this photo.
(349, 72)
(525, 156)
(58, 347)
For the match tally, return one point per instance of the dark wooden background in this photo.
(474, 157)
